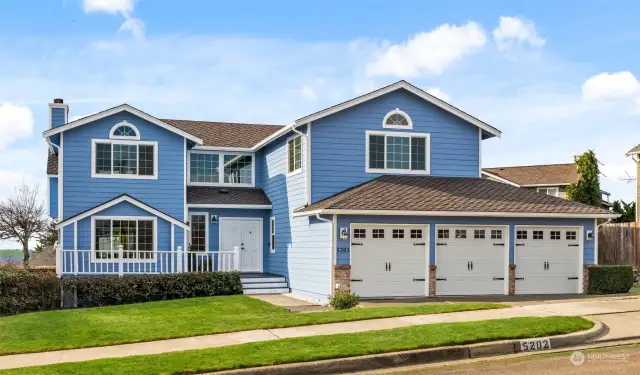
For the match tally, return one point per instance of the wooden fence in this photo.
(618, 244)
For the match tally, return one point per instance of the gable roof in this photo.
(532, 175)
(118, 109)
(225, 134)
(634, 151)
(448, 196)
(119, 199)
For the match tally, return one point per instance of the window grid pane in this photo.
(359, 233)
(521, 235)
(538, 235)
(478, 234)
(376, 151)
(204, 168)
(496, 234)
(461, 233)
(125, 131)
(125, 159)
(397, 152)
(198, 233)
(443, 233)
(145, 239)
(418, 154)
(571, 235)
(145, 155)
(416, 233)
(237, 169)
(103, 158)
(378, 233)
(555, 234)
(398, 233)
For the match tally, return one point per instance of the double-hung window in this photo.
(135, 235)
(215, 168)
(294, 154)
(123, 155)
(397, 152)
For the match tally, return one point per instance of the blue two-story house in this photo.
(381, 195)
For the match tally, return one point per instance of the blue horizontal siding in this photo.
(303, 245)
(53, 197)
(339, 142)
(82, 192)
(57, 117)
(345, 221)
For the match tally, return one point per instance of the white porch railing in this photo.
(122, 262)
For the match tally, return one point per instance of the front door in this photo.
(245, 235)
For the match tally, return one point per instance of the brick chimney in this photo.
(58, 113)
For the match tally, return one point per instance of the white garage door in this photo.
(547, 260)
(470, 260)
(389, 260)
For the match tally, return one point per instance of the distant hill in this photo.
(10, 256)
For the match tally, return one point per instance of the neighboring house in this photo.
(634, 156)
(381, 195)
(550, 179)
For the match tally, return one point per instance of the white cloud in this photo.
(122, 7)
(435, 91)
(514, 31)
(618, 85)
(16, 122)
(429, 52)
(308, 93)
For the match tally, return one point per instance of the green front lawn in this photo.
(66, 329)
(318, 347)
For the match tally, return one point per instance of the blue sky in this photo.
(557, 78)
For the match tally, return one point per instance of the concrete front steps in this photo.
(263, 283)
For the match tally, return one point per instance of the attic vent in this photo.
(224, 191)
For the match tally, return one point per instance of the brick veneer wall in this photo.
(342, 276)
(512, 279)
(585, 278)
(432, 280)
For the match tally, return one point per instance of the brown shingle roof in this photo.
(417, 193)
(538, 174)
(52, 164)
(216, 195)
(225, 134)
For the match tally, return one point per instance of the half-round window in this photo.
(124, 130)
(397, 119)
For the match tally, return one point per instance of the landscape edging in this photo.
(416, 357)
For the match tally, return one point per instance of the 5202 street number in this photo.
(534, 345)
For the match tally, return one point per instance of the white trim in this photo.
(479, 152)
(173, 237)
(505, 236)
(206, 229)
(286, 157)
(124, 198)
(125, 176)
(272, 235)
(185, 233)
(239, 206)
(273, 136)
(546, 190)
(124, 123)
(414, 90)
(61, 179)
(500, 179)
(58, 105)
(427, 244)
(129, 218)
(221, 155)
(595, 241)
(334, 251)
(397, 111)
(260, 239)
(579, 229)
(427, 153)
(48, 197)
(118, 109)
(453, 214)
(550, 185)
(308, 165)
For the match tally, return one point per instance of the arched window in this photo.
(397, 119)
(124, 130)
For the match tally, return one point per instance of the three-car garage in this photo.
(389, 260)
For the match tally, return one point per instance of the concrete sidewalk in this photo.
(225, 339)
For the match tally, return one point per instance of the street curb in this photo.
(417, 357)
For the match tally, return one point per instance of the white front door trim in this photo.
(580, 230)
(222, 220)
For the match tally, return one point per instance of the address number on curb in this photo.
(534, 345)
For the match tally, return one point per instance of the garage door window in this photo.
(416, 233)
(359, 233)
(398, 233)
(496, 234)
(572, 235)
(538, 235)
(555, 234)
(378, 233)
(521, 234)
(461, 233)
(443, 233)
(478, 233)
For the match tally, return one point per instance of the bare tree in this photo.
(22, 218)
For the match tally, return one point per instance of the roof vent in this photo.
(58, 101)
(224, 191)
